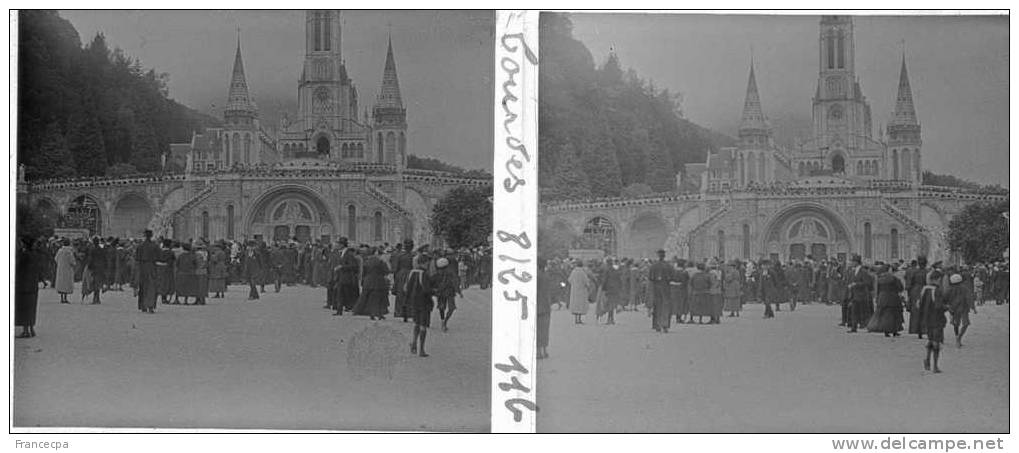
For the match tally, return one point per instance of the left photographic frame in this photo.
(201, 246)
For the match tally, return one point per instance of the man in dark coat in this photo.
(345, 279)
(660, 275)
(252, 270)
(916, 279)
(95, 262)
(861, 287)
(146, 256)
(278, 257)
(402, 262)
(681, 292)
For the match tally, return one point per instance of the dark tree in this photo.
(106, 106)
(626, 130)
(31, 222)
(980, 232)
(463, 217)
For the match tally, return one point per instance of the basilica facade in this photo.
(840, 191)
(328, 170)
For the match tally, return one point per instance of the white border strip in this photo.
(515, 222)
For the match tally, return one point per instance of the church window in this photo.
(236, 145)
(721, 245)
(327, 28)
(377, 226)
(905, 165)
(831, 52)
(322, 146)
(893, 242)
(746, 241)
(867, 246)
(895, 164)
(318, 31)
(390, 148)
(345, 151)
(205, 224)
(352, 223)
(842, 51)
(752, 166)
(247, 148)
(229, 221)
(403, 146)
(838, 164)
(378, 155)
(916, 164)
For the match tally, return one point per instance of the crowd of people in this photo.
(357, 280)
(873, 297)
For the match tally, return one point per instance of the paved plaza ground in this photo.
(277, 363)
(799, 372)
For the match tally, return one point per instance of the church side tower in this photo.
(903, 134)
(841, 114)
(240, 119)
(389, 118)
(755, 161)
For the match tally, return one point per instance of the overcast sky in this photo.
(958, 69)
(444, 60)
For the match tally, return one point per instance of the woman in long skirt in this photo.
(28, 270)
(932, 309)
(580, 292)
(545, 288)
(700, 294)
(201, 275)
(889, 302)
(716, 294)
(374, 300)
(185, 279)
(66, 262)
(732, 289)
(217, 271)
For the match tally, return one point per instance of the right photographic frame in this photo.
(773, 223)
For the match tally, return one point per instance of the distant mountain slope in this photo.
(84, 109)
(602, 129)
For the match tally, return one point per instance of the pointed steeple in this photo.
(238, 99)
(389, 95)
(753, 114)
(905, 112)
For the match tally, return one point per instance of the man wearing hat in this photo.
(146, 255)
(345, 279)
(402, 262)
(660, 276)
(861, 286)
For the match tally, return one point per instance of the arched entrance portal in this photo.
(599, 234)
(647, 234)
(806, 229)
(131, 216)
(290, 212)
(83, 212)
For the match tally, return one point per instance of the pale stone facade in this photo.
(327, 174)
(837, 193)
